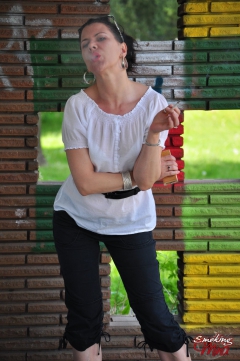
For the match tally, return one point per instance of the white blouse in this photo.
(114, 143)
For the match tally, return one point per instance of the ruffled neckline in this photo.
(117, 115)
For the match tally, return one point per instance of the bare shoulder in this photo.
(139, 89)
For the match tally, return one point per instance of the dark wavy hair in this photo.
(129, 40)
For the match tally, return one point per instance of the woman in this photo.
(113, 132)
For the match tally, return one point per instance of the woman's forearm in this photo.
(147, 168)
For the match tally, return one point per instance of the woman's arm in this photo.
(147, 168)
(86, 179)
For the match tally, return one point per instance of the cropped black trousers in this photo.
(135, 258)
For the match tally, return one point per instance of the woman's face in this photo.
(100, 49)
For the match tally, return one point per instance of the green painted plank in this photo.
(47, 188)
(44, 58)
(225, 199)
(45, 82)
(44, 247)
(196, 246)
(223, 80)
(207, 69)
(41, 235)
(45, 107)
(60, 45)
(57, 70)
(223, 246)
(72, 59)
(227, 92)
(44, 200)
(44, 212)
(225, 222)
(44, 223)
(57, 94)
(208, 234)
(201, 44)
(224, 56)
(213, 186)
(206, 211)
(224, 104)
(76, 82)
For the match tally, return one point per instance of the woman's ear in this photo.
(124, 49)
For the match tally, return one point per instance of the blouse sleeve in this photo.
(74, 128)
(156, 106)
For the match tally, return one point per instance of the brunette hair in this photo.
(119, 35)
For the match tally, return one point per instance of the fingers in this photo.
(172, 113)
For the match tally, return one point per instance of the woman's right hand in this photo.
(166, 119)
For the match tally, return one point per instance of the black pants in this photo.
(135, 258)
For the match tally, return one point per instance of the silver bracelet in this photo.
(127, 181)
(153, 145)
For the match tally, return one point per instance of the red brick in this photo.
(30, 344)
(11, 70)
(42, 259)
(32, 165)
(9, 58)
(17, 107)
(161, 188)
(12, 259)
(179, 130)
(12, 308)
(19, 154)
(13, 332)
(170, 246)
(25, 9)
(29, 320)
(28, 33)
(11, 44)
(32, 142)
(30, 295)
(70, 33)
(47, 282)
(177, 141)
(12, 284)
(162, 234)
(105, 281)
(13, 236)
(12, 142)
(32, 119)
(10, 189)
(164, 211)
(45, 307)
(19, 130)
(18, 201)
(31, 20)
(29, 271)
(85, 9)
(18, 178)
(12, 166)
(13, 213)
(11, 119)
(20, 247)
(12, 94)
(13, 356)
(52, 331)
(105, 258)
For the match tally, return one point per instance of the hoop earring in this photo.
(88, 82)
(124, 63)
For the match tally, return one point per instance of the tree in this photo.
(147, 19)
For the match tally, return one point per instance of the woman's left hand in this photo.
(166, 119)
(169, 166)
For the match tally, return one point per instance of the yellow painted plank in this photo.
(195, 269)
(225, 317)
(224, 19)
(223, 294)
(209, 281)
(221, 269)
(195, 293)
(226, 6)
(211, 257)
(225, 31)
(196, 32)
(212, 305)
(195, 317)
(201, 7)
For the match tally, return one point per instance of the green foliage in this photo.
(168, 274)
(147, 20)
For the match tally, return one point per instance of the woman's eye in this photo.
(101, 38)
(84, 45)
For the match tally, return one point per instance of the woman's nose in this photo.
(92, 45)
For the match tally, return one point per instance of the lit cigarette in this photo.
(175, 105)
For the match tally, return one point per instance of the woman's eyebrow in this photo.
(100, 32)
